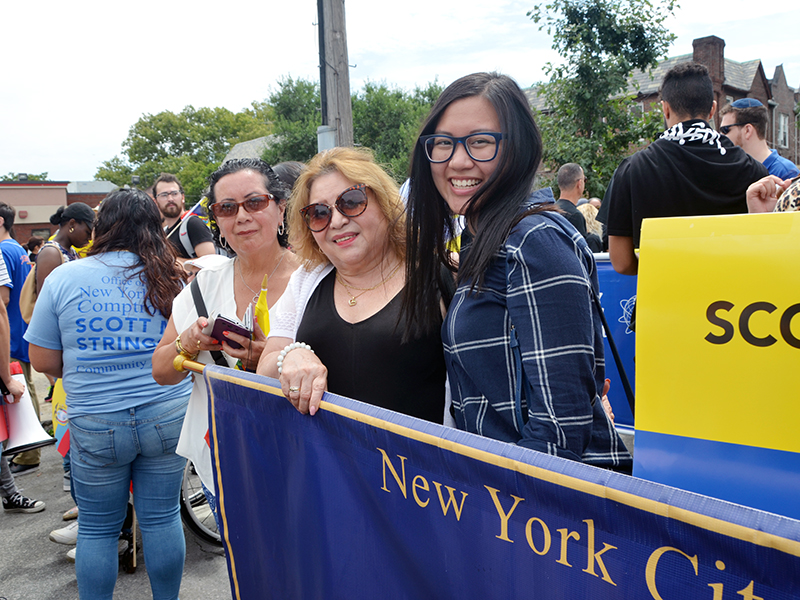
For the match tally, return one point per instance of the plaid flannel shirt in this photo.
(541, 284)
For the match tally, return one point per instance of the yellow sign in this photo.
(718, 329)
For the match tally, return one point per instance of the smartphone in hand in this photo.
(224, 324)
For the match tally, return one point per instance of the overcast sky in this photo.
(79, 74)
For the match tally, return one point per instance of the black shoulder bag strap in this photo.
(626, 384)
(200, 306)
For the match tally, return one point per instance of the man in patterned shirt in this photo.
(690, 170)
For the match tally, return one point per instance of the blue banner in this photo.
(618, 297)
(360, 502)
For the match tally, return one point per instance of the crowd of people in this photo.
(344, 284)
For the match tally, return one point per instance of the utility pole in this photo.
(334, 77)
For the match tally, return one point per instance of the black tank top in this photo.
(367, 362)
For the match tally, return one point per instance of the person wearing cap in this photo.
(190, 237)
(745, 123)
(691, 170)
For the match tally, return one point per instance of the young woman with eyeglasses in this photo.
(525, 279)
(336, 328)
(246, 203)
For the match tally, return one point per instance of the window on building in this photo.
(783, 130)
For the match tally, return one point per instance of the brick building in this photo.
(732, 81)
(36, 201)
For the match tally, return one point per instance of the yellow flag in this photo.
(262, 312)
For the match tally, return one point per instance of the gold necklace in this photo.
(354, 299)
(257, 293)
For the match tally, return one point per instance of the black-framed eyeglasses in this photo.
(170, 194)
(231, 209)
(481, 147)
(724, 129)
(351, 203)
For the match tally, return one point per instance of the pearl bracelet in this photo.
(289, 348)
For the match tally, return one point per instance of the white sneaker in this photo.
(71, 555)
(66, 535)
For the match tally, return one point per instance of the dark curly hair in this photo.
(130, 220)
(274, 186)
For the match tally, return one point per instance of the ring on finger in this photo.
(294, 389)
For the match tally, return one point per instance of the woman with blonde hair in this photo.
(337, 326)
(594, 228)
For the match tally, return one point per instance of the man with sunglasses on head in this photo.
(190, 237)
(745, 123)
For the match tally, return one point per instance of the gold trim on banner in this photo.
(739, 532)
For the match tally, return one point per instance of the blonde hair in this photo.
(359, 166)
(590, 214)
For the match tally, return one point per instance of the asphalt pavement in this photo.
(34, 568)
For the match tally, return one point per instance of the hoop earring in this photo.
(223, 243)
(281, 229)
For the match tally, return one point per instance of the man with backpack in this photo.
(190, 237)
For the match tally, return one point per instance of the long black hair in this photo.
(490, 213)
(130, 220)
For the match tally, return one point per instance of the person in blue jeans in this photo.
(95, 325)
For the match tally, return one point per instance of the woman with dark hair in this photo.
(523, 338)
(75, 223)
(288, 172)
(246, 203)
(95, 325)
(33, 246)
(337, 327)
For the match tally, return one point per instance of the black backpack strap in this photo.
(626, 384)
(447, 285)
(200, 306)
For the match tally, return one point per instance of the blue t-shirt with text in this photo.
(93, 310)
(18, 266)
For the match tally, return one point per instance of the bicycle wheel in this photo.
(195, 512)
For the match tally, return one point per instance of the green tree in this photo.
(31, 177)
(190, 144)
(387, 120)
(295, 106)
(591, 119)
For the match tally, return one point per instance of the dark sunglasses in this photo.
(231, 209)
(726, 128)
(351, 203)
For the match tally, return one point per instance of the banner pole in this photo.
(183, 363)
